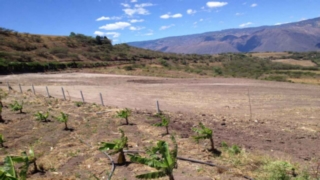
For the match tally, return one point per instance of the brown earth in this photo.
(305, 63)
(284, 121)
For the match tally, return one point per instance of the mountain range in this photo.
(297, 36)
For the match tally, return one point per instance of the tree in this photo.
(164, 123)
(64, 118)
(72, 34)
(98, 40)
(117, 146)
(125, 113)
(204, 133)
(16, 106)
(160, 158)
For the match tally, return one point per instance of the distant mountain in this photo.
(297, 36)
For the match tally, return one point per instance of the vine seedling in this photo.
(8, 171)
(117, 146)
(1, 107)
(42, 117)
(125, 113)
(64, 119)
(160, 158)
(164, 123)
(15, 106)
(205, 133)
(1, 141)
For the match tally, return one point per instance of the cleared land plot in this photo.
(269, 54)
(284, 115)
(305, 63)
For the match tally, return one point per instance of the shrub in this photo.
(128, 68)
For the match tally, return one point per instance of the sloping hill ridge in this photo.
(298, 36)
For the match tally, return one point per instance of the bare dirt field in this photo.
(285, 116)
(305, 63)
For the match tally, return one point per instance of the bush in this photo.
(128, 68)
(279, 78)
(59, 50)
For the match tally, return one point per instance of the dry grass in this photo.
(304, 63)
(269, 54)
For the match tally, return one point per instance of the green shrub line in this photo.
(23, 67)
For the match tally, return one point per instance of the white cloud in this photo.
(102, 18)
(254, 5)
(148, 34)
(132, 28)
(140, 10)
(115, 26)
(166, 27)
(215, 4)
(201, 20)
(143, 5)
(99, 33)
(125, 5)
(177, 15)
(113, 34)
(167, 16)
(136, 20)
(245, 24)
(190, 11)
(239, 14)
(133, 1)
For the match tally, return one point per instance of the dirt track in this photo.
(285, 116)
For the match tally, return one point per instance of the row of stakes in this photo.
(64, 96)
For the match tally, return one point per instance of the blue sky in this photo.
(137, 20)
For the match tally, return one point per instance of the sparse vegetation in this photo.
(204, 133)
(42, 117)
(161, 158)
(16, 106)
(64, 119)
(116, 146)
(1, 107)
(165, 120)
(8, 170)
(1, 141)
(78, 103)
(125, 113)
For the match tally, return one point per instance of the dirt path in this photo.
(284, 115)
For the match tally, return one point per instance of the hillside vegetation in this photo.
(23, 52)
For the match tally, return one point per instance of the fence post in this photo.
(64, 96)
(47, 91)
(34, 92)
(101, 98)
(158, 108)
(82, 96)
(20, 88)
(8, 86)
